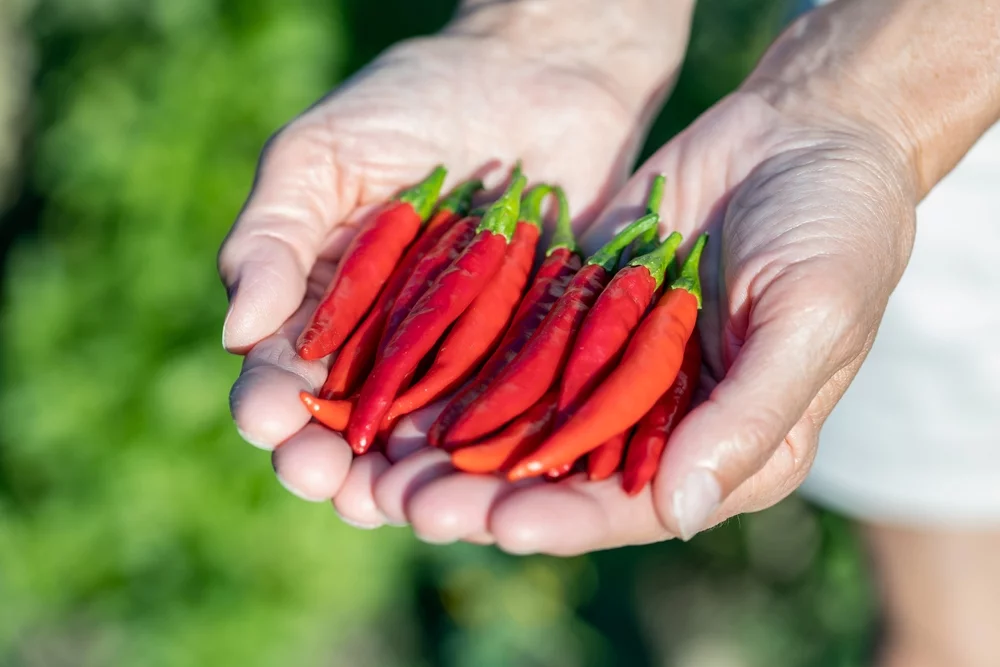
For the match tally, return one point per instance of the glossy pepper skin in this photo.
(357, 356)
(651, 435)
(604, 461)
(647, 369)
(513, 442)
(334, 414)
(366, 266)
(534, 371)
(562, 261)
(443, 302)
(480, 328)
(560, 472)
(448, 248)
(609, 324)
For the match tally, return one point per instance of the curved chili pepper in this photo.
(648, 368)
(608, 326)
(515, 441)
(562, 261)
(481, 327)
(604, 461)
(526, 378)
(434, 312)
(449, 247)
(650, 439)
(366, 266)
(357, 355)
(330, 413)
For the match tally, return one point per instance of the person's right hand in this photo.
(497, 86)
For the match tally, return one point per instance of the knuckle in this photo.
(280, 143)
(227, 261)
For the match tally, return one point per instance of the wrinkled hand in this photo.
(465, 99)
(811, 225)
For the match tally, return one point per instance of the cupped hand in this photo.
(811, 220)
(468, 99)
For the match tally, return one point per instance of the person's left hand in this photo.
(811, 223)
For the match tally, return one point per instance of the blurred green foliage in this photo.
(135, 527)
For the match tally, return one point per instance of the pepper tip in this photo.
(525, 469)
(309, 401)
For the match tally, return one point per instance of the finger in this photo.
(394, 489)
(410, 433)
(457, 506)
(313, 463)
(483, 539)
(574, 517)
(264, 400)
(579, 516)
(799, 333)
(355, 502)
(298, 196)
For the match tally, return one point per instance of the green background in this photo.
(137, 529)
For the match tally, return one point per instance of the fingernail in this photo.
(358, 524)
(297, 492)
(433, 541)
(696, 501)
(225, 325)
(259, 444)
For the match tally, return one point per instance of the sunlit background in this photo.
(137, 529)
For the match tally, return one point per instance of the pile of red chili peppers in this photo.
(582, 362)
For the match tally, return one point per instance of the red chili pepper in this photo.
(532, 373)
(650, 439)
(560, 472)
(330, 413)
(449, 247)
(562, 261)
(648, 368)
(443, 302)
(366, 266)
(608, 326)
(357, 355)
(604, 461)
(480, 328)
(513, 442)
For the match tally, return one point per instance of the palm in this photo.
(775, 198)
(400, 116)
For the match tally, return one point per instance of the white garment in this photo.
(916, 439)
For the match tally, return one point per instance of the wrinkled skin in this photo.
(811, 223)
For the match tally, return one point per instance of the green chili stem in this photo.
(607, 257)
(656, 194)
(563, 237)
(650, 240)
(531, 204)
(672, 272)
(660, 259)
(424, 194)
(689, 279)
(501, 217)
(459, 200)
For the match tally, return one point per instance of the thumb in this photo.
(267, 257)
(799, 332)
